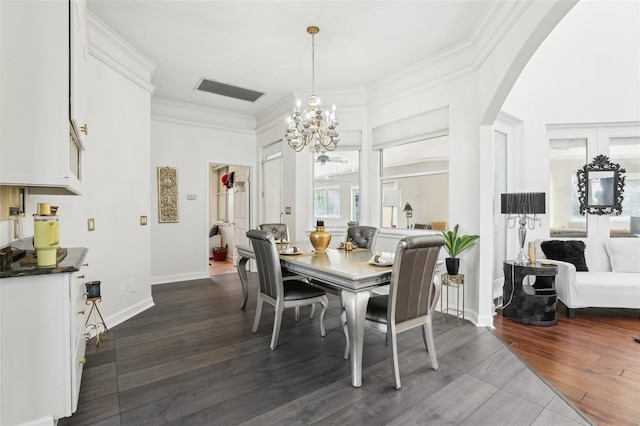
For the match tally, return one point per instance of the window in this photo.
(336, 192)
(326, 202)
(566, 156)
(419, 172)
(626, 152)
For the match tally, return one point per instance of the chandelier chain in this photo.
(313, 64)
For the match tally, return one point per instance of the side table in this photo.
(535, 304)
(447, 282)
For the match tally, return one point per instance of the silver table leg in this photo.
(355, 306)
(242, 271)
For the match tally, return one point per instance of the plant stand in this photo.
(456, 281)
(98, 327)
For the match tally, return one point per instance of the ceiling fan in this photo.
(323, 158)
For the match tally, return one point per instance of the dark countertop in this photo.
(71, 263)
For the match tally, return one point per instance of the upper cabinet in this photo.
(42, 62)
(79, 45)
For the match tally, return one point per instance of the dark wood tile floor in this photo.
(192, 360)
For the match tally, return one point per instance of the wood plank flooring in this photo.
(592, 359)
(192, 360)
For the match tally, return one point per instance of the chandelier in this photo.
(313, 127)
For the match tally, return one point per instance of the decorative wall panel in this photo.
(168, 195)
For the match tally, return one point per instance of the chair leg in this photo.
(324, 302)
(313, 310)
(277, 322)
(427, 336)
(256, 321)
(394, 357)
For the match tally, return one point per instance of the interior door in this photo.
(240, 207)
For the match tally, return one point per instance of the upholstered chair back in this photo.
(280, 231)
(412, 292)
(362, 236)
(269, 270)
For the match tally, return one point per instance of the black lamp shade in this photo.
(407, 208)
(522, 203)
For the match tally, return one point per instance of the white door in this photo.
(240, 207)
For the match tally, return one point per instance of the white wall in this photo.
(179, 250)
(115, 192)
(586, 71)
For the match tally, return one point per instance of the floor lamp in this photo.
(391, 199)
(522, 207)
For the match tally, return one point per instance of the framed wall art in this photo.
(168, 195)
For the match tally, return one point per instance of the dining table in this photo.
(352, 274)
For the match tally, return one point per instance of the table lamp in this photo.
(391, 199)
(408, 210)
(522, 207)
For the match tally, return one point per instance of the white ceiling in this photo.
(264, 46)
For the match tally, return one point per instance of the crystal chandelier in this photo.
(313, 127)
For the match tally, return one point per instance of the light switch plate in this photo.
(91, 224)
(143, 220)
(287, 210)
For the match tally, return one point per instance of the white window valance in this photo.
(425, 125)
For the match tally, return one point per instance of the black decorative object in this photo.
(537, 307)
(453, 265)
(93, 289)
(571, 251)
(600, 187)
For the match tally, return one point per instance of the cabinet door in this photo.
(34, 82)
(35, 348)
(78, 61)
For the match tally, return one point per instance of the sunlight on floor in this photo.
(218, 267)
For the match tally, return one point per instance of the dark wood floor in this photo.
(192, 360)
(592, 359)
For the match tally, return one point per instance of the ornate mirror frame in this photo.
(600, 187)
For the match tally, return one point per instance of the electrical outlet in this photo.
(143, 220)
(123, 290)
(91, 224)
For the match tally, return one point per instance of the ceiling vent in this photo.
(228, 90)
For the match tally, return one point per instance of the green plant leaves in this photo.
(454, 244)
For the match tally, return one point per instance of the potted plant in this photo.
(455, 244)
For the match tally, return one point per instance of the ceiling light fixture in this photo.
(313, 127)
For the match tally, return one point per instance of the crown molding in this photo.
(191, 114)
(454, 63)
(114, 51)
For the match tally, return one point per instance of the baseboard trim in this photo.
(178, 278)
(130, 312)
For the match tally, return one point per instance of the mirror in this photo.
(600, 187)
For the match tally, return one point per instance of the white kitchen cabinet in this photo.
(42, 346)
(79, 46)
(35, 145)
